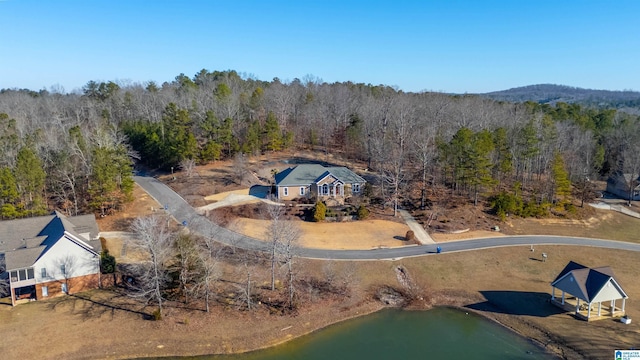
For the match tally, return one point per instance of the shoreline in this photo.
(469, 282)
(539, 337)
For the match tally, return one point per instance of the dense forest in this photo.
(75, 152)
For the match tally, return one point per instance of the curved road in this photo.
(182, 211)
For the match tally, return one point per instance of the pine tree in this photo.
(272, 133)
(503, 160)
(30, 176)
(480, 162)
(561, 180)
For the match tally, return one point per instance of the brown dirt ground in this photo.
(142, 205)
(509, 285)
(365, 234)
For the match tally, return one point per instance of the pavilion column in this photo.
(553, 293)
(613, 306)
(589, 311)
(599, 308)
(623, 301)
(578, 306)
(562, 297)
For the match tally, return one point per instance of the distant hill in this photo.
(551, 94)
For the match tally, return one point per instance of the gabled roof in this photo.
(23, 241)
(346, 175)
(306, 174)
(586, 283)
(623, 179)
(23, 257)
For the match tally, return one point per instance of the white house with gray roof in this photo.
(50, 255)
(314, 180)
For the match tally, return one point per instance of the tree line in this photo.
(85, 141)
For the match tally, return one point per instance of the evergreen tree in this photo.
(253, 138)
(8, 194)
(480, 162)
(503, 160)
(561, 180)
(111, 183)
(273, 134)
(179, 141)
(528, 149)
(30, 178)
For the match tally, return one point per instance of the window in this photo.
(22, 274)
(45, 290)
(43, 272)
(325, 189)
(285, 191)
(302, 190)
(14, 276)
(356, 188)
(30, 273)
(64, 287)
(63, 269)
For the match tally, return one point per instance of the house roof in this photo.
(306, 174)
(585, 283)
(23, 241)
(623, 179)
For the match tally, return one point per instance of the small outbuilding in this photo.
(591, 292)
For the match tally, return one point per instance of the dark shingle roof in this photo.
(589, 281)
(570, 267)
(23, 241)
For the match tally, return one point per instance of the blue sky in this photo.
(452, 46)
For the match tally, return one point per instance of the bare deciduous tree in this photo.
(247, 268)
(210, 271)
(154, 239)
(240, 167)
(282, 234)
(5, 288)
(188, 166)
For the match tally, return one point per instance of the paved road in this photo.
(182, 211)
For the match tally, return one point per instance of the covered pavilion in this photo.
(591, 292)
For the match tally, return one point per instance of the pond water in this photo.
(440, 333)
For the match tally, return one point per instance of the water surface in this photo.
(440, 333)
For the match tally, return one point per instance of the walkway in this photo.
(421, 234)
(235, 199)
(621, 208)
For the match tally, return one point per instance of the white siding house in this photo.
(47, 256)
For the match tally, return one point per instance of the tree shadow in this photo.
(89, 308)
(517, 303)
(6, 301)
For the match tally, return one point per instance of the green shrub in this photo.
(504, 204)
(363, 212)
(319, 212)
(107, 262)
(570, 208)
